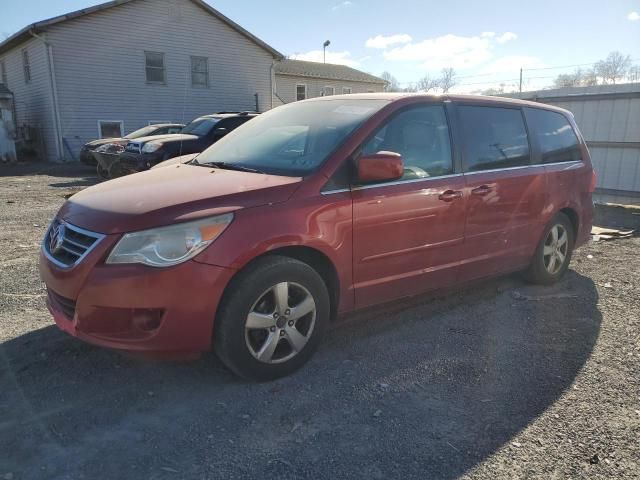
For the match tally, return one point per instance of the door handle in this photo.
(450, 195)
(482, 190)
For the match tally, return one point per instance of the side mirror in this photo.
(220, 132)
(379, 167)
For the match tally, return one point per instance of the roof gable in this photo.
(326, 71)
(23, 35)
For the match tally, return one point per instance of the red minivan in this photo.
(312, 210)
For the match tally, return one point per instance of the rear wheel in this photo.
(272, 319)
(552, 257)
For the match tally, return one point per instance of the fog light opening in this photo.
(147, 320)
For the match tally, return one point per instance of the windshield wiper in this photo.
(230, 166)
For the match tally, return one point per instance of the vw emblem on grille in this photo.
(56, 237)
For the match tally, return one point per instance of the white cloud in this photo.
(634, 16)
(340, 58)
(340, 6)
(445, 51)
(382, 42)
(511, 64)
(506, 37)
(488, 34)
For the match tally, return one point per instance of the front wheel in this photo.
(272, 318)
(552, 257)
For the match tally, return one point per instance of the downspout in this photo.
(54, 95)
(272, 74)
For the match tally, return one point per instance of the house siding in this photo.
(100, 67)
(286, 87)
(32, 100)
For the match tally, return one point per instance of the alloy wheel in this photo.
(280, 323)
(556, 247)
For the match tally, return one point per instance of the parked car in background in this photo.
(145, 152)
(314, 209)
(87, 158)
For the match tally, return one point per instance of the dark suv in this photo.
(143, 153)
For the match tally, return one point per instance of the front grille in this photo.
(63, 304)
(66, 245)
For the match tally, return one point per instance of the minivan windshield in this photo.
(294, 139)
(200, 126)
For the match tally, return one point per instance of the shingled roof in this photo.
(25, 33)
(326, 71)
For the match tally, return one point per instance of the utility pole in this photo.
(520, 79)
(324, 50)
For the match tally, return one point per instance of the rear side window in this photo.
(494, 138)
(556, 138)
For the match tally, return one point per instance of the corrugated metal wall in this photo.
(609, 118)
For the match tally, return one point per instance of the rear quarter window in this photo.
(494, 137)
(555, 136)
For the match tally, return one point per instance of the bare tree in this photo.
(613, 68)
(392, 84)
(633, 74)
(590, 78)
(426, 84)
(447, 80)
(574, 79)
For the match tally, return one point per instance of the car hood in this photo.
(172, 194)
(176, 160)
(170, 137)
(104, 141)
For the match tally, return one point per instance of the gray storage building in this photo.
(609, 118)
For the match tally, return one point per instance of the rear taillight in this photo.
(592, 186)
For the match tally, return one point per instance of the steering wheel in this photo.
(417, 171)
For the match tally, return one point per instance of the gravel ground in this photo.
(499, 380)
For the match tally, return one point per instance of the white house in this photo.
(110, 69)
(298, 80)
(118, 66)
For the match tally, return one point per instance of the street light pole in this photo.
(324, 50)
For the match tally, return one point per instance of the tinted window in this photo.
(494, 138)
(421, 136)
(556, 138)
(200, 126)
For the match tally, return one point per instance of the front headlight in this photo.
(151, 147)
(167, 246)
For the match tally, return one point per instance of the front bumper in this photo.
(86, 157)
(140, 161)
(165, 312)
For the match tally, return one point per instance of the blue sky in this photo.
(485, 41)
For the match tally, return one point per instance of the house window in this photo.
(25, 66)
(154, 66)
(301, 92)
(329, 91)
(199, 71)
(110, 128)
(346, 90)
(3, 71)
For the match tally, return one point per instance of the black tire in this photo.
(117, 170)
(103, 173)
(538, 271)
(233, 338)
